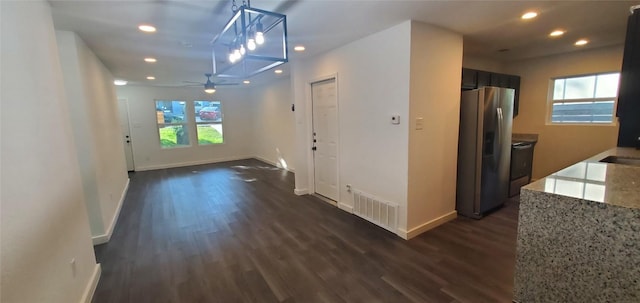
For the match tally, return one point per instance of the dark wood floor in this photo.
(235, 232)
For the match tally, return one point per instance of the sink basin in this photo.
(622, 160)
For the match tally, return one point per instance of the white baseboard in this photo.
(325, 199)
(301, 191)
(346, 207)
(265, 160)
(90, 289)
(191, 163)
(104, 238)
(427, 225)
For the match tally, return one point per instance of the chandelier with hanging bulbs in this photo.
(253, 41)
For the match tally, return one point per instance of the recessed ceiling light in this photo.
(119, 82)
(246, 81)
(557, 33)
(150, 60)
(151, 78)
(278, 71)
(581, 42)
(529, 15)
(147, 28)
(299, 48)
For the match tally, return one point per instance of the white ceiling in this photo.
(110, 28)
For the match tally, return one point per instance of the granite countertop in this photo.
(591, 180)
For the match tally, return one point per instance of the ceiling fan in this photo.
(209, 86)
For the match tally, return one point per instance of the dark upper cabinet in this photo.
(484, 79)
(499, 80)
(628, 110)
(472, 79)
(469, 78)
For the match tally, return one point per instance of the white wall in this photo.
(482, 63)
(237, 122)
(561, 145)
(43, 221)
(436, 64)
(373, 84)
(93, 109)
(274, 123)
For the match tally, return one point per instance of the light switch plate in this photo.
(419, 123)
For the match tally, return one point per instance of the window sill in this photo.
(209, 145)
(175, 147)
(582, 124)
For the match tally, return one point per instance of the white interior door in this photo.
(325, 138)
(123, 114)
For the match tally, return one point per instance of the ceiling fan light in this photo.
(242, 50)
(209, 90)
(232, 57)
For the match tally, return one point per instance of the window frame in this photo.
(551, 100)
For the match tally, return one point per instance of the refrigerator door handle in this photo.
(499, 112)
(500, 131)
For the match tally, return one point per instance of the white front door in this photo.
(325, 138)
(123, 114)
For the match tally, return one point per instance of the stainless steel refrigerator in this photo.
(484, 150)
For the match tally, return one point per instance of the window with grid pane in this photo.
(586, 99)
(208, 122)
(172, 123)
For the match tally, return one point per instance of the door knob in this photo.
(128, 141)
(313, 148)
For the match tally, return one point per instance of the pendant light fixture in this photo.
(252, 42)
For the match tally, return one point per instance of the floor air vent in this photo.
(375, 210)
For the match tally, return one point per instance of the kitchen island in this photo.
(579, 233)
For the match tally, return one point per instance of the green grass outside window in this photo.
(208, 135)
